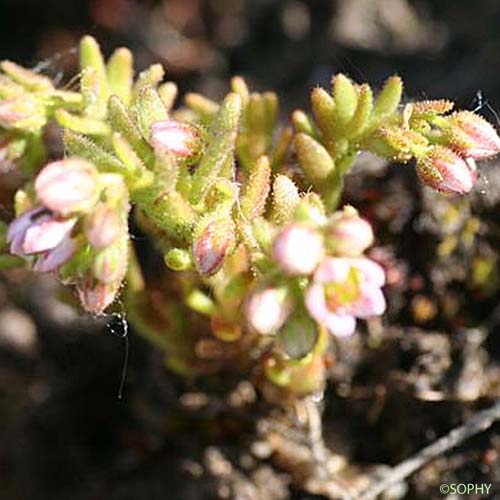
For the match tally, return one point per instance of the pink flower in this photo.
(344, 289)
(298, 249)
(348, 234)
(446, 171)
(37, 230)
(181, 139)
(472, 136)
(52, 260)
(268, 309)
(67, 186)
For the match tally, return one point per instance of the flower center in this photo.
(342, 293)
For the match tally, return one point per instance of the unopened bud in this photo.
(348, 234)
(21, 113)
(103, 226)
(298, 249)
(268, 309)
(472, 136)
(181, 139)
(96, 296)
(68, 186)
(445, 171)
(110, 264)
(178, 259)
(211, 245)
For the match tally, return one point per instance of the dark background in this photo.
(63, 432)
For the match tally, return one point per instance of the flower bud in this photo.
(211, 245)
(68, 186)
(445, 171)
(178, 259)
(21, 113)
(472, 136)
(96, 296)
(110, 264)
(348, 234)
(103, 226)
(268, 309)
(37, 230)
(298, 249)
(181, 139)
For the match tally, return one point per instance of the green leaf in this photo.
(256, 189)
(28, 79)
(94, 81)
(285, 199)
(345, 97)
(204, 107)
(389, 98)
(364, 109)
(149, 109)
(323, 107)
(168, 94)
(303, 123)
(121, 122)
(150, 77)
(83, 147)
(81, 124)
(314, 159)
(137, 175)
(120, 74)
(298, 336)
(220, 149)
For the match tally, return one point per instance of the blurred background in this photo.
(63, 432)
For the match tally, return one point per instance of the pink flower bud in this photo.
(20, 112)
(103, 226)
(110, 264)
(96, 296)
(348, 234)
(52, 260)
(268, 309)
(68, 186)
(211, 246)
(37, 230)
(298, 249)
(445, 171)
(472, 136)
(181, 139)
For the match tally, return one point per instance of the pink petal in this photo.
(46, 234)
(53, 259)
(372, 273)
(18, 227)
(340, 325)
(333, 269)
(371, 303)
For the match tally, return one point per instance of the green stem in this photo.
(335, 183)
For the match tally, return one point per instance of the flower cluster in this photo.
(338, 284)
(244, 212)
(80, 216)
